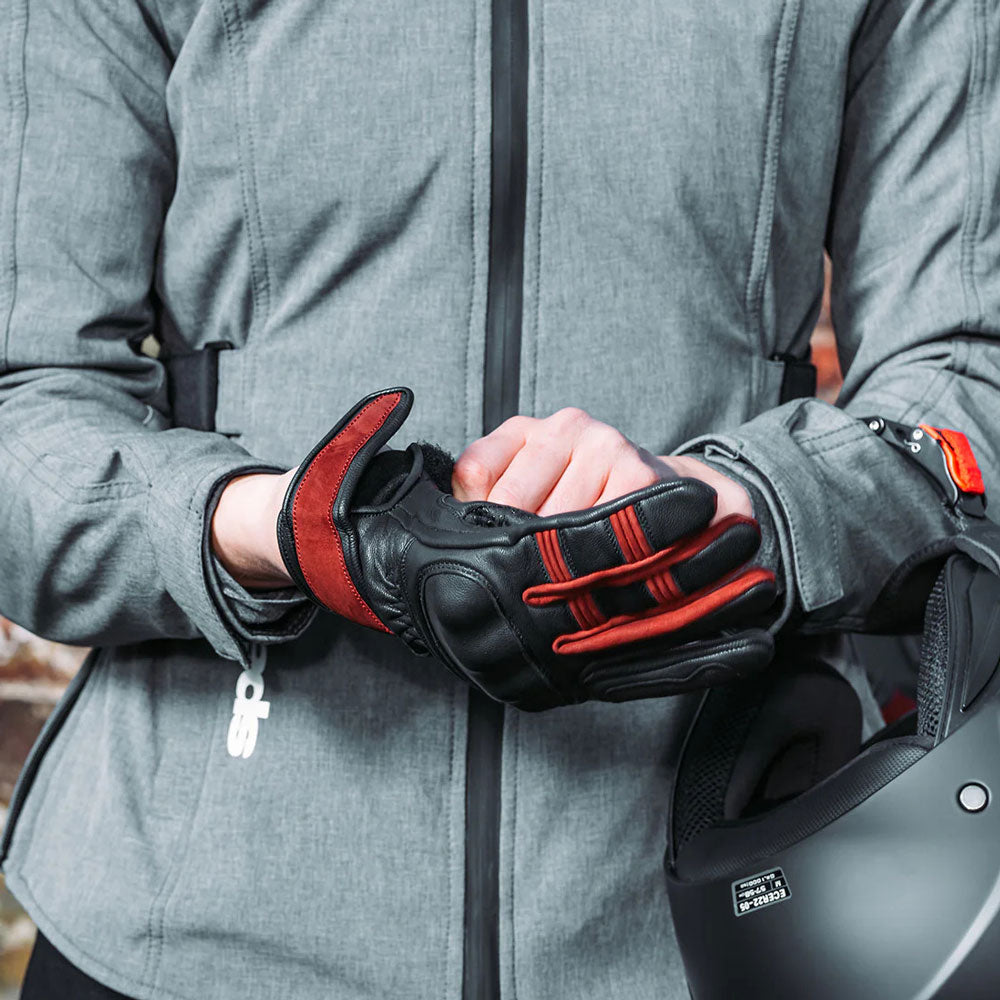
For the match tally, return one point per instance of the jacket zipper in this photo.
(484, 748)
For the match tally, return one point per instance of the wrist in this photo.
(244, 530)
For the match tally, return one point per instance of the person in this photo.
(590, 238)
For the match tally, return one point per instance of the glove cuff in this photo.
(315, 535)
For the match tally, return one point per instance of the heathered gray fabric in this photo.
(310, 180)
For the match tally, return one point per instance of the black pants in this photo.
(51, 976)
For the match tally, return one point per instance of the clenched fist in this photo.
(570, 461)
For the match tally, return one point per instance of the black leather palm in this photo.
(537, 612)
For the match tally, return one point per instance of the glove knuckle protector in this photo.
(631, 599)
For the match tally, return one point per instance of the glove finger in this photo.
(653, 518)
(596, 551)
(745, 609)
(743, 596)
(659, 671)
(709, 557)
(641, 579)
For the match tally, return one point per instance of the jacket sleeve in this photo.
(914, 235)
(102, 503)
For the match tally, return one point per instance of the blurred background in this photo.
(34, 673)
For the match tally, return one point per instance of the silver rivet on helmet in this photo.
(973, 797)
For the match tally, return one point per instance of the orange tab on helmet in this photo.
(961, 462)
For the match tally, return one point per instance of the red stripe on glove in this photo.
(567, 587)
(582, 606)
(658, 621)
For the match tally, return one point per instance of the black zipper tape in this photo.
(484, 748)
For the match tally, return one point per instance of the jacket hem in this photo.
(86, 963)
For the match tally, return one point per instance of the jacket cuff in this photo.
(178, 519)
(848, 510)
(264, 616)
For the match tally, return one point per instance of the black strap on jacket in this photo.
(799, 379)
(193, 385)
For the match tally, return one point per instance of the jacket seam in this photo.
(63, 716)
(765, 219)
(246, 156)
(972, 217)
(141, 988)
(18, 109)
(540, 95)
(849, 430)
(830, 449)
(927, 398)
(220, 615)
(77, 495)
(240, 645)
(797, 546)
(153, 964)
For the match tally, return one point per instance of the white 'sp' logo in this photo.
(249, 708)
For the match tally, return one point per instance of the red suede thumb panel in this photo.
(317, 541)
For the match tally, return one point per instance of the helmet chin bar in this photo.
(803, 863)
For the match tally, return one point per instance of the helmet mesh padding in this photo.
(708, 759)
(933, 675)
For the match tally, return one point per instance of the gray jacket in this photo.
(313, 182)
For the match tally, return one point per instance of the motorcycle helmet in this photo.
(804, 863)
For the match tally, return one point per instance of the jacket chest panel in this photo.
(353, 171)
(361, 117)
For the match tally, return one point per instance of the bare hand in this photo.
(570, 461)
(244, 530)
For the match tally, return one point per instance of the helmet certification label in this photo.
(757, 891)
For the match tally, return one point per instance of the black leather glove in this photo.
(636, 598)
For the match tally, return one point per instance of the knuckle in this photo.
(570, 416)
(607, 441)
(518, 423)
(615, 440)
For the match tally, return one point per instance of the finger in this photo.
(578, 488)
(532, 474)
(613, 561)
(484, 461)
(621, 538)
(630, 473)
(603, 456)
